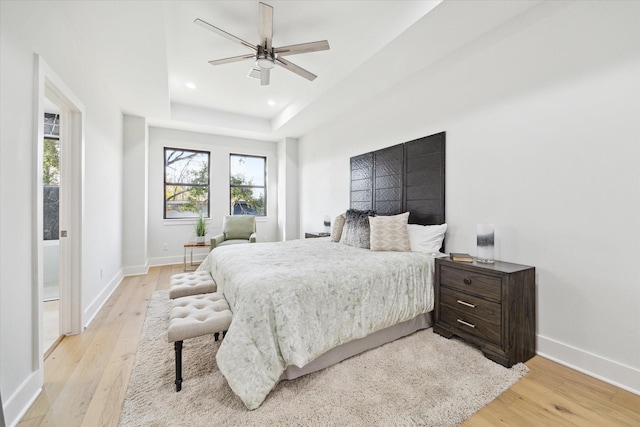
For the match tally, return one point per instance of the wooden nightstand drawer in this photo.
(473, 282)
(471, 305)
(483, 328)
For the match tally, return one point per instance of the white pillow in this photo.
(426, 238)
(389, 233)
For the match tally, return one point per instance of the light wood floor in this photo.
(86, 376)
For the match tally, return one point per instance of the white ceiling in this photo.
(147, 51)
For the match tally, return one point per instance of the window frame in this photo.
(165, 183)
(250, 187)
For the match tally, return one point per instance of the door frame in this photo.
(50, 85)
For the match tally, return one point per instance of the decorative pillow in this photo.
(389, 233)
(356, 228)
(336, 230)
(426, 238)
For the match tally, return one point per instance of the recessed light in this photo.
(190, 85)
(271, 102)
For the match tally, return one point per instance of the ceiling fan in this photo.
(265, 55)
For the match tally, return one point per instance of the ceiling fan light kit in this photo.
(264, 54)
(265, 60)
(265, 63)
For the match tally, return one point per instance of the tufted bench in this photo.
(194, 316)
(196, 282)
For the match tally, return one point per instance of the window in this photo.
(186, 183)
(247, 181)
(52, 124)
(51, 177)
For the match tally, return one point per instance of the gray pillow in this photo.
(356, 230)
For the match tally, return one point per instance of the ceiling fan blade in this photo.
(232, 59)
(295, 49)
(223, 33)
(264, 76)
(266, 25)
(294, 68)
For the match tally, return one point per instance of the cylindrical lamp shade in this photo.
(485, 243)
(327, 224)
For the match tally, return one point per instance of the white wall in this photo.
(135, 192)
(27, 29)
(288, 189)
(177, 232)
(543, 127)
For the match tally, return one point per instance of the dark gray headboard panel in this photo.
(425, 179)
(405, 177)
(388, 180)
(362, 182)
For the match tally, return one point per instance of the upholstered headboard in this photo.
(405, 177)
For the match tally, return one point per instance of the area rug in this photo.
(422, 379)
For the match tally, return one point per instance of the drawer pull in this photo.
(467, 304)
(467, 281)
(471, 325)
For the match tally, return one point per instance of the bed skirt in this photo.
(346, 350)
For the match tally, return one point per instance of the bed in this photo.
(299, 306)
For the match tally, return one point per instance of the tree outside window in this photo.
(51, 161)
(51, 177)
(186, 183)
(247, 182)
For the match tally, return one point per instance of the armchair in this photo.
(236, 229)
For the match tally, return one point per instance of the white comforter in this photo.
(293, 301)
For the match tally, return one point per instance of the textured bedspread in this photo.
(293, 301)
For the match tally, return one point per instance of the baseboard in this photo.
(92, 310)
(19, 402)
(609, 371)
(136, 270)
(172, 260)
(169, 260)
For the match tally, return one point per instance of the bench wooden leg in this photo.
(178, 347)
(216, 335)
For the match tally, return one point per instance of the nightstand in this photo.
(314, 234)
(489, 305)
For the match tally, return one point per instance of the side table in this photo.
(189, 247)
(492, 306)
(315, 234)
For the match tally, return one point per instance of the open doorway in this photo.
(51, 90)
(51, 227)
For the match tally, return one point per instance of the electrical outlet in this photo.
(165, 246)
